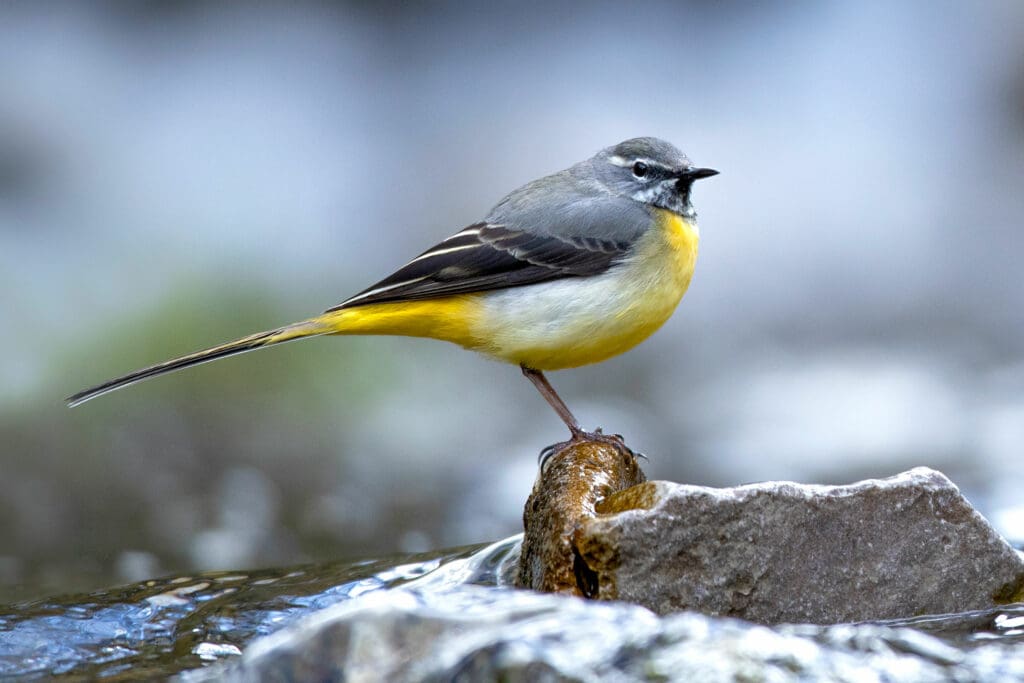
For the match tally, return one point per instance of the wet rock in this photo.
(568, 488)
(473, 633)
(783, 552)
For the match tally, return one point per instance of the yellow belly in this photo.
(552, 325)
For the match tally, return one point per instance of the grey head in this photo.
(609, 196)
(647, 170)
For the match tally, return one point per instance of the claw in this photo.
(545, 455)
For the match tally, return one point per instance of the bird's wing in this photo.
(486, 256)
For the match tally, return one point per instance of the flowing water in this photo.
(160, 627)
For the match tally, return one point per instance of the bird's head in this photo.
(650, 171)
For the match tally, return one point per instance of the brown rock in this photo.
(569, 488)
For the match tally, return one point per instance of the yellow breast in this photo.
(577, 321)
(663, 268)
(654, 283)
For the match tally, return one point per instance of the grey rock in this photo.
(471, 633)
(783, 552)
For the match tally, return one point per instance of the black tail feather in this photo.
(250, 343)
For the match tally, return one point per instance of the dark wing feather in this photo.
(485, 257)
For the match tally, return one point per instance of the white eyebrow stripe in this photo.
(378, 290)
(623, 162)
(440, 252)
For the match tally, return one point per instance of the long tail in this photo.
(306, 328)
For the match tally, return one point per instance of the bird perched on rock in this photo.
(570, 269)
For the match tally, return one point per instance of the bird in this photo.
(570, 269)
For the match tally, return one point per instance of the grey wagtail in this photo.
(570, 269)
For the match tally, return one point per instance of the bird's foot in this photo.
(616, 441)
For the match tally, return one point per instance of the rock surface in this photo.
(570, 484)
(474, 633)
(782, 552)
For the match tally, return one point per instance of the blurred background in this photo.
(177, 174)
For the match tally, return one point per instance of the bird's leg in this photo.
(554, 400)
(578, 434)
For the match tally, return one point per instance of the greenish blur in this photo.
(103, 478)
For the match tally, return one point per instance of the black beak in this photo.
(691, 174)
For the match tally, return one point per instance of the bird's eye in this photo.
(640, 169)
